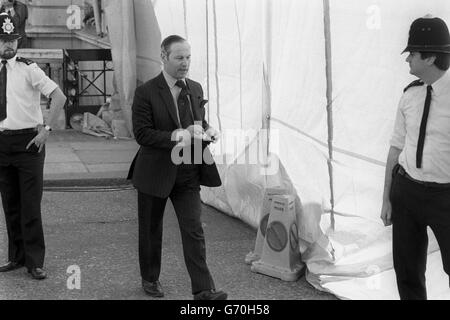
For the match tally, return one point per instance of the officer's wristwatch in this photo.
(48, 128)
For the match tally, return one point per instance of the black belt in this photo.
(402, 172)
(17, 132)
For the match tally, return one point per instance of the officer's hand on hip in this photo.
(40, 139)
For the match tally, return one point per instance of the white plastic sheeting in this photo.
(262, 64)
(134, 50)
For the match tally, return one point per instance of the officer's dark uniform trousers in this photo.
(21, 183)
(416, 205)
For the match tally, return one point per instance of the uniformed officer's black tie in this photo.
(3, 81)
(423, 128)
(184, 108)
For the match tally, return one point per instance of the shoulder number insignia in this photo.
(416, 83)
(24, 60)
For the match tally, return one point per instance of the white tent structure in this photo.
(315, 85)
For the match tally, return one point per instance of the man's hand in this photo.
(196, 131)
(40, 139)
(183, 138)
(213, 134)
(386, 213)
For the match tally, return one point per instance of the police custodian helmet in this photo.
(428, 34)
(8, 31)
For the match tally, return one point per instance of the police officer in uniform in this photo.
(417, 183)
(23, 135)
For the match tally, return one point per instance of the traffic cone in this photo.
(264, 219)
(281, 255)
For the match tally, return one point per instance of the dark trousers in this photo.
(21, 183)
(414, 208)
(185, 198)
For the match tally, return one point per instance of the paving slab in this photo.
(110, 167)
(74, 156)
(60, 155)
(105, 145)
(106, 156)
(68, 168)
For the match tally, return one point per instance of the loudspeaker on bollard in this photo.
(281, 256)
(264, 219)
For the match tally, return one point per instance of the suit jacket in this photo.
(154, 119)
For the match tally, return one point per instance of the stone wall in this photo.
(47, 23)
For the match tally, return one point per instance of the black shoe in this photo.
(153, 289)
(10, 266)
(211, 295)
(38, 273)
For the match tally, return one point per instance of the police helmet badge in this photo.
(7, 27)
(8, 30)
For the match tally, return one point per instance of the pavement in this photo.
(74, 158)
(92, 236)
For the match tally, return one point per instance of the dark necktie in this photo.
(3, 81)
(423, 128)
(184, 108)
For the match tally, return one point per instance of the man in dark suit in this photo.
(169, 125)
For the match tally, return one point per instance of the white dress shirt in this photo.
(23, 95)
(436, 153)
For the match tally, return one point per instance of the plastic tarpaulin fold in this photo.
(135, 40)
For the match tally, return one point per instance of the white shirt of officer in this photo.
(436, 152)
(25, 83)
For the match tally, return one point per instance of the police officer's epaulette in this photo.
(24, 60)
(416, 83)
